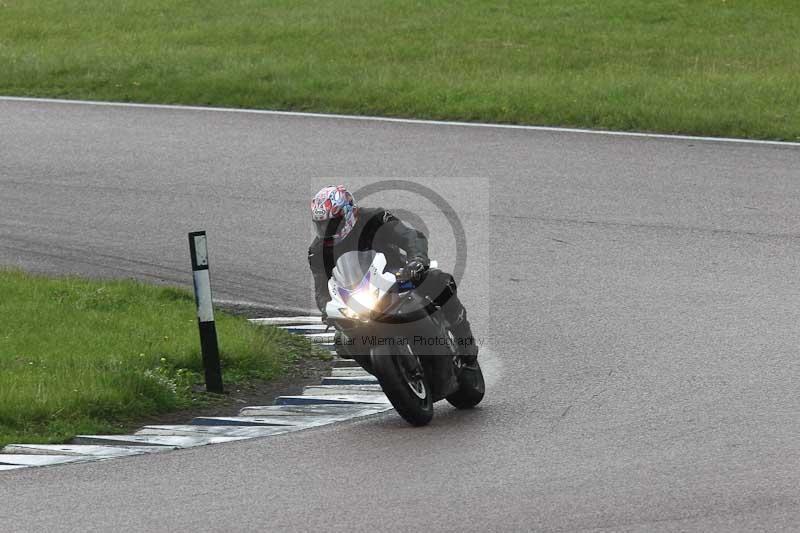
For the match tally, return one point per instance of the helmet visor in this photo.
(327, 229)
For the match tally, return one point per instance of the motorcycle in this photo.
(403, 341)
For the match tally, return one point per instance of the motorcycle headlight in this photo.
(366, 299)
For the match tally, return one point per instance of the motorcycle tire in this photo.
(403, 380)
(471, 389)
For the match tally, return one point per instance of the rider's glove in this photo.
(412, 271)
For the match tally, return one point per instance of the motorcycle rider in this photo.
(342, 226)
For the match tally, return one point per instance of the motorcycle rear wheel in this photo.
(471, 389)
(403, 380)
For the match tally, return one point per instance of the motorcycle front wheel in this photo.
(403, 380)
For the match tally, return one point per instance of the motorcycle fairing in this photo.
(350, 278)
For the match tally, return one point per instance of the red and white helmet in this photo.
(334, 212)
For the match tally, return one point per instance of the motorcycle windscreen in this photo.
(352, 267)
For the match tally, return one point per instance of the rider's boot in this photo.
(442, 289)
(462, 331)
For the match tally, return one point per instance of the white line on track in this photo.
(402, 120)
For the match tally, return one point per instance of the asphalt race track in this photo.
(638, 300)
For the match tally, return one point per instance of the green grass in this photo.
(715, 67)
(80, 356)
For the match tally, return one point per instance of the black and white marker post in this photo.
(198, 247)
